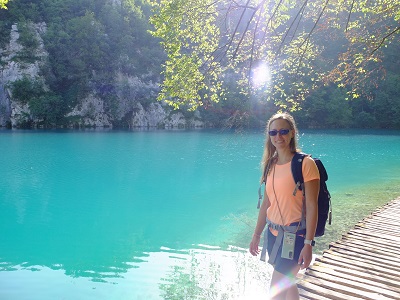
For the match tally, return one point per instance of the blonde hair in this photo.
(269, 155)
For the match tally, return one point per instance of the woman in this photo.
(289, 235)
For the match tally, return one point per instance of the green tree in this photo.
(386, 104)
(26, 88)
(24, 10)
(45, 106)
(48, 108)
(378, 106)
(206, 38)
(79, 57)
(326, 107)
(3, 4)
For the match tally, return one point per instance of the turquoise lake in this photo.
(108, 214)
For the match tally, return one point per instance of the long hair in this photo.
(270, 155)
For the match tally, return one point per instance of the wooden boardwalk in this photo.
(364, 264)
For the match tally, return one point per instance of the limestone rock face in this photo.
(90, 113)
(159, 117)
(152, 117)
(12, 69)
(132, 105)
(19, 114)
(5, 106)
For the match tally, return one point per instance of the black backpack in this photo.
(324, 197)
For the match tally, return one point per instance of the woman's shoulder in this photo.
(309, 159)
(310, 169)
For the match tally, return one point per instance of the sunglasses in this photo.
(281, 132)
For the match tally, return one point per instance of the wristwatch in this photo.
(309, 242)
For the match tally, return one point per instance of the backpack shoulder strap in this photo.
(297, 172)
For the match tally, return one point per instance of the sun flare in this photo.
(261, 75)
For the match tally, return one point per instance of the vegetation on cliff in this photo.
(90, 45)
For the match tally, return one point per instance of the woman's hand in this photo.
(305, 257)
(254, 245)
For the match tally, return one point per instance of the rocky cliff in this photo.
(91, 111)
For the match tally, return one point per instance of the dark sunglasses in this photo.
(281, 132)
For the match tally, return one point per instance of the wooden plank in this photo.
(381, 230)
(368, 242)
(375, 252)
(381, 218)
(364, 264)
(337, 262)
(373, 234)
(349, 284)
(383, 223)
(387, 250)
(350, 262)
(306, 295)
(365, 256)
(389, 212)
(358, 272)
(354, 281)
(379, 223)
(374, 238)
(326, 288)
(308, 290)
(390, 215)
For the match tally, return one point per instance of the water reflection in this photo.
(197, 273)
(217, 274)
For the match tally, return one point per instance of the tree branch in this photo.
(237, 27)
(350, 12)
(300, 13)
(384, 39)
(272, 16)
(307, 39)
(243, 35)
